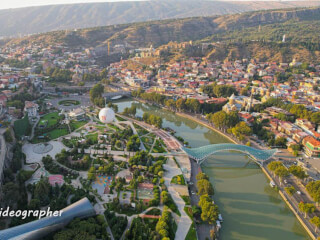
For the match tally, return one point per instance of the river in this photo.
(250, 207)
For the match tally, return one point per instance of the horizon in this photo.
(14, 4)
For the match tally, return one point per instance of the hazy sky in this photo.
(4, 4)
(26, 3)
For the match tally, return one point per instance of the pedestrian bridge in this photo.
(200, 154)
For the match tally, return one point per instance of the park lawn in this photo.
(120, 118)
(146, 140)
(22, 127)
(52, 118)
(172, 205)
(191, 233)
(158, 148)
(93, 137)
(186, 199)
(77, 124)
(113, 126)
(141, 131)
(147, 146)
(57, 133)
(179, 179)
(154, 211)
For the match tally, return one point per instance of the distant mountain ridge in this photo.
(60, 17)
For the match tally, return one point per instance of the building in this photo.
(77, 114)
(31, 109)
(40, 228)
(311, 146)
(246, 117)
(232, 105)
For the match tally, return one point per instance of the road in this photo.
(295, 199)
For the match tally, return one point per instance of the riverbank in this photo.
(282, 193)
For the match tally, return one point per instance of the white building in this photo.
(31, 108)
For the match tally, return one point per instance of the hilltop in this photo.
(41, 19)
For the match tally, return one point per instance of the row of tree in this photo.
(152, 119)
(209, 210)
(164, 226)
(181, 104)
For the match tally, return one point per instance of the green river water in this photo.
(250, 207)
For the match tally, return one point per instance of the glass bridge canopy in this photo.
(202, 153)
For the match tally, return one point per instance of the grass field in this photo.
(58, 133)
(158, 148)
(179, 179)
(93, 137)
(22, 127)
(191, 233)
(77, 124)
(69, 102)
(51, 118)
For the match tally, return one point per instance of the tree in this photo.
(180, 104)
(274, 165)
(204, 187)
(202, 175)
(315, 117)
(281, 142)
(96, 92)
(298, 172)
(170, 103)
(164, 197)
(34, 204)
(192, 105)
(316, 222)
(41, 191)
(306, 208)
(313, 189)
(281, 172)
(242, 128)
(232, 119)
(11, 193)
(209, 211)
(290, 190)
(219, 119)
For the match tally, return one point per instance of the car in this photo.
(285, 181)
(299, 192)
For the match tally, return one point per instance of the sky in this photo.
(4, 4)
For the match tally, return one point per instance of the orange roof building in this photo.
(311, 146)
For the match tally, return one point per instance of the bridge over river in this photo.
(200, 154)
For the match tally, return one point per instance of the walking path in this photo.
(184, 221)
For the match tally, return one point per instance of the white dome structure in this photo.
(106, 115)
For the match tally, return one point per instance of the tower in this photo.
(231, 99)
(108, 48)
(249, 104)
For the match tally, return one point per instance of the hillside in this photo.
(209, 28)
(59, 17)
(255, 34)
